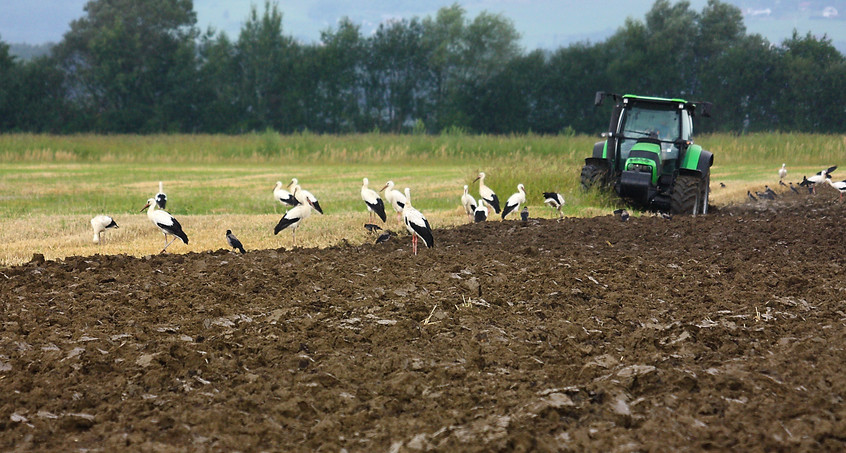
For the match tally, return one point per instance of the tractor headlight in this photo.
(640, 167)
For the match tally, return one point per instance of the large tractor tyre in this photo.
(594, 176)
(687, 194)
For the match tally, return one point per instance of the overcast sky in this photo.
(541, 23)
(545, 24)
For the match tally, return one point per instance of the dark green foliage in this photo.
(139, 67)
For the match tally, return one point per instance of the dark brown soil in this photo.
(723, 332)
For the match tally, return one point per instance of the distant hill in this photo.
(27, 52)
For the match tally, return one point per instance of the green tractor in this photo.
(648, 156)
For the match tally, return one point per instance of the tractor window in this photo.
(687, 125)
(656, 121)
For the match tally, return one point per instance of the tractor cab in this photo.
(653, 122)
(647, 146)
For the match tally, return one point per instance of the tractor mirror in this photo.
(597, 101)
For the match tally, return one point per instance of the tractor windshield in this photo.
(658, 121)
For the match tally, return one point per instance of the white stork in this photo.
(469, 203)
(514, 201)
(782, 172)
(302, 195)
(554, 200)
(839, 185)
(165, 222)
(416, 224)
(372, 200)
(283, 196)
(817, 178)
(395, 198)
(100, 223)
(161, 197)
(294, 216)
(481, 212)
(486, 193)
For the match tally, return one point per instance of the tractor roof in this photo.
(688, 105)
(655, 99)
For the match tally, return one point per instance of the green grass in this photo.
(220, 174)
(76, 173)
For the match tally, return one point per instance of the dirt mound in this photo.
(721, 332)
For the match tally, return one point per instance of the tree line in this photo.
(144, 67)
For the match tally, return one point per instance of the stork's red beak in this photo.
(477, 178)
(383, 188)
(145, 207)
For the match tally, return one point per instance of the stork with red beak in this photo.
(469, 203)
(165, 222)
(283, 196)
(514, 201)
(395, 198)
(372, 200)
(416, 224)
(486, 193)
(839, 185)
(294, 216)
(100, 223)
(304, 196)
(820, 177)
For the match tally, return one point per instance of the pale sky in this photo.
(547, 24)
(541, 23)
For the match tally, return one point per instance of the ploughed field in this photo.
(721, 332)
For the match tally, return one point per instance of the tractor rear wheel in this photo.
(593, 175)
(687, 194)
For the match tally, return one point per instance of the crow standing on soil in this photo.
(624, 215)
(234, 242)
(771, 192)
(794, 189)
(524, 214)
(384, 237)
(372, 227)
(751, 197)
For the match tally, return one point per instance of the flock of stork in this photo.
(822, 177)
(301, 202)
